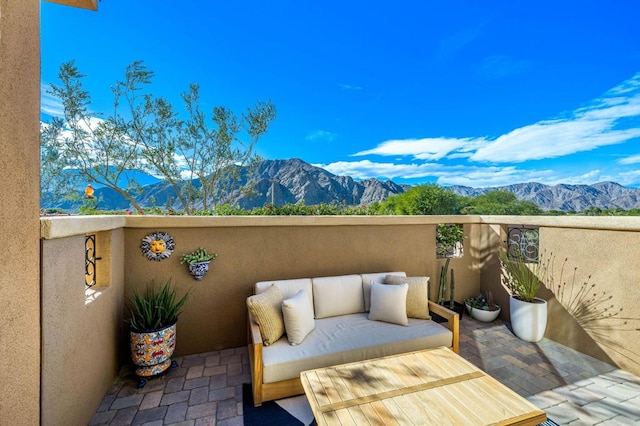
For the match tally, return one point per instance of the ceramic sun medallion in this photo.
(157, 245)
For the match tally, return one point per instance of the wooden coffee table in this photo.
(433, 386)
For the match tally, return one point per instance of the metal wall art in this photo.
(157, 245)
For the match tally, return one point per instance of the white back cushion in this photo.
(377, 277)
(341, 295)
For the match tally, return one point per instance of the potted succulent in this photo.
(152, 319)
(482, 307)
(198, 261)
(528, 313)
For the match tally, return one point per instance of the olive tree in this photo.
(197, 156)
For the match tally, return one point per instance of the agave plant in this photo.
(155, 308)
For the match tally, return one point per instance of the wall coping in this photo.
(66, 226)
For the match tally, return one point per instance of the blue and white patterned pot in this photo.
(199, 269)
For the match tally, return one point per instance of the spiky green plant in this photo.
(521, 278)
(155, 308)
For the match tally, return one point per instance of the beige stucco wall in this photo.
(81, 330)
(215, 317)
(599, 278)
(594, 301)
(19, 200)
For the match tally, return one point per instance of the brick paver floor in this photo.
(206, 389)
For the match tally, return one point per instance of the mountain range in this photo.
(293, 180)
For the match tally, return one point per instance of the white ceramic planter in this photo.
(528, 320)
(482, 315)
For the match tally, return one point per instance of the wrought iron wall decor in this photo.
(157, 245)
(90, 260)
(523, 243)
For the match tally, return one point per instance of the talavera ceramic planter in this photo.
(199, 269)
(151, 351)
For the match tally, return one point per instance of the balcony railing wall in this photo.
(81, 328)
(83, 333)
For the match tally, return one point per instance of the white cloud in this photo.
(599, 124)
(634, 159)
(583, 130)
(475, 176)
(321, 135)
(424, 149)
(49, 104)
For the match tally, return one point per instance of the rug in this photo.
(293, 411)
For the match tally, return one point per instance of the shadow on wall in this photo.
(583, 308)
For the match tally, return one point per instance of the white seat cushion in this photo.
(349, 338)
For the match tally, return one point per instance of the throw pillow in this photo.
(389, 303)
(417, 296)
(377, 277)
(266, 310)
(298, 317)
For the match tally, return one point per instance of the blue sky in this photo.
(458, 92)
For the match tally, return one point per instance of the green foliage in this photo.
(483, 301)
(199, 156)
(521, 278)
(155, 308)
(448, 236)
(297, 209)
(500, 203)
(199, 255)
(429, 199)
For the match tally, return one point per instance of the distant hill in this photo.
(291, 180)
(294, 180)
(605, 195)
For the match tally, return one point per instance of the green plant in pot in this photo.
(198, 262)
(152, 317)
(527, 311)
(482, 307)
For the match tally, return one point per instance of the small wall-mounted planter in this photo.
(198, 262)
(199, 269)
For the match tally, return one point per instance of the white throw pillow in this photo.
(377, 277)
(298, 317)
(389, 303)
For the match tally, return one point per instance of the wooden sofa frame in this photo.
(271, 391)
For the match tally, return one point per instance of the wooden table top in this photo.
(427, 387)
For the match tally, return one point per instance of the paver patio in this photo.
(572, 388)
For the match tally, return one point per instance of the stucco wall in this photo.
(215, 317)
(19, 207)
(594, 300)
(81, 330)
(592, 287)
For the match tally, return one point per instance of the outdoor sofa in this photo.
(301, 324)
